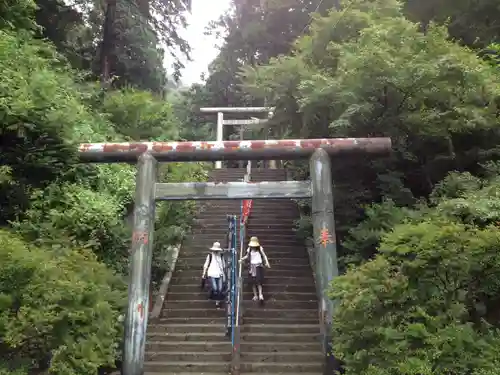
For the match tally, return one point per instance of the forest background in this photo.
(417, 231)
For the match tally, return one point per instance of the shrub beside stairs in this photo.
(280, 337)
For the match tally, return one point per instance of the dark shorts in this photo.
(258, 279)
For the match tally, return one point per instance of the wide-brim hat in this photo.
(254, 242)
(216, 247)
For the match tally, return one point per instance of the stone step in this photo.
(269, 289)
(188, 366)
(219, 214)
(266, 240)
(182, 356)
(168, 312)
(253, 226)
(279, 337)
(280, 321)
(277, 368)
(262, 208)
(179, 278)
(187, 320)
(188, 346)
(202, 248)
(279, 347)
(183, 337)
(197, 263)
(268, 272)
(311, 329)
(190, 251)
(270, 295)
(269, 303)
(314, 356)
(265, 312)
(162, 328)
(299, 257)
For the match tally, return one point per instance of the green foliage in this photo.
(72, 216)
(49, 304)
(174, 219)
(17, 14)
(428, 302)
(139, 116)
(424, 306)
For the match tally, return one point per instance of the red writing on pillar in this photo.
(141, 237)
(325, 237)
(140, 309)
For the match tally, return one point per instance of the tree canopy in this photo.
(64, 240)
(417, 230)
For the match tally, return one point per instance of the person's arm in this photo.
(246, 256)
(205, 266)
(266, 261)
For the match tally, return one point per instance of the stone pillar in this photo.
(326, 267)
(141, 250)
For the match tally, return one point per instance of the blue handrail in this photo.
(231, 277)
(236, 354)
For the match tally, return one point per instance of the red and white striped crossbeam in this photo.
(229, 150)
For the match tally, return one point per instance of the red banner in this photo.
(247, 208)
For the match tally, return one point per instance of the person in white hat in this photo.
(258, 259)
(214, 269)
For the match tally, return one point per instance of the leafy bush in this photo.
(174, 219)
(59, 301)
(138, 115)
(58, 308)
(425, 305)
(71, 214)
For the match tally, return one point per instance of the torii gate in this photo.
(148, 191)
(221, 122)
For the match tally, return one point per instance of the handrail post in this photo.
(231, 277)
(236, 350)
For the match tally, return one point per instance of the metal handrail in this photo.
(236, 354)
(231, 276)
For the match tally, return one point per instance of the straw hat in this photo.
(216, 247)
(254, 242)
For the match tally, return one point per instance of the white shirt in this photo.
(255, 257)
(216, 268)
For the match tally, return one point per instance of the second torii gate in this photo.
(221, 122)
(148, 191)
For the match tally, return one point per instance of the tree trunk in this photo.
(107, 44)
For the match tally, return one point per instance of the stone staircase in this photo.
(189, 337)
(283, 335)
(279, 337)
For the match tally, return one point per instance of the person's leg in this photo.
(254, 289)
(220, 286)
(218, 291)
(213, 287)
(260, 281)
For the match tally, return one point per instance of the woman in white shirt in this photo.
(214, 269)
(258, 260)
